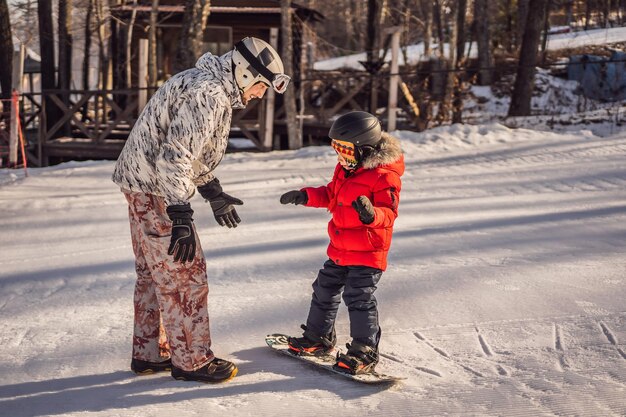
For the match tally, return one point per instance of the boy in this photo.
(363, 198)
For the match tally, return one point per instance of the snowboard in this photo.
(278, 342)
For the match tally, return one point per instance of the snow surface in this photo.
(504, 296)
(415, 53)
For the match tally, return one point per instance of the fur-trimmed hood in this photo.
(387, 152)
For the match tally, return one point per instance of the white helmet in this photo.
(255, 60)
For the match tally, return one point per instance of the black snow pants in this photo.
(358, 284)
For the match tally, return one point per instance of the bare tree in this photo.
(546, 29)
(483, 41)
(293, 132)
(103, 35)
(46, 47)
(588, 8)
(525, 79)
(373, 30)
(192, 33)
(152, 45)
(457, 76)
(129, 45)
(606, 13)
(65, 44)
(6, 50)
(522, 18)
(64, 77)
(438, 21)
(445, 105)
(87, 48)
(24, 21)
(427, 11)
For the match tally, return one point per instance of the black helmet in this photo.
(358, 127)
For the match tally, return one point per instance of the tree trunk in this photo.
(445, 105)
(46, 47)
(192, 33)
(569, 12)
(152, 45)
(87, 56)
(437, 18)
(294, 133)
(483, 41)
(510, 39)
(103, 58)
(372, 41)
(65, 56)
(6, 51)
(406, 29)
(373, 49)
(129, 46)
(546, 29)
(460, 28)
(427, 11)
(457, 76)
(65, 44)
(587, 14)
(522, 18)
(606, 13)
(525, 79)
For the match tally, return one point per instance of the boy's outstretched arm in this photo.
(313, 196)
(294, 197)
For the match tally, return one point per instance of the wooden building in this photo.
(95, 124)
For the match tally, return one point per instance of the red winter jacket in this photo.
(378, 178)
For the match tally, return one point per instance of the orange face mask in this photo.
(347, 152)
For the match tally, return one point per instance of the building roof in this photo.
(219, 7)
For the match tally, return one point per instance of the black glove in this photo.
(364, 207)
(294, 197)
(183, 243)
(221, 203)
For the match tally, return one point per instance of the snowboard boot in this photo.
(218, 370)
(311, 344)
(146, 368)
(360, 359)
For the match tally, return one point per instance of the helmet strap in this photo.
(254, 61)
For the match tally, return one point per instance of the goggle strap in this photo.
(254, 61)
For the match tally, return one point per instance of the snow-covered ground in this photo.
(505, 294)
(415, 53)
(558, 104)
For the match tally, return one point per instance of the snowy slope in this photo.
(415, 53)
(504, 297)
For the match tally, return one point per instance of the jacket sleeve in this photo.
(321, 196)
(386, 197)
(192, 123)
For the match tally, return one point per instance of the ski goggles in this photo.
(279, 81)
(347, 151)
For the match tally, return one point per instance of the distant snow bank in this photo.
(415, 53)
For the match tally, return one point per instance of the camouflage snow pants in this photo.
(171, 316)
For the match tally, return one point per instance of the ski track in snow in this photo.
(504, 296)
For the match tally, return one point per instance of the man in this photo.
(173, 149)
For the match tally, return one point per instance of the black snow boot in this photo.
(146, 368)
(218, 370)
(360, 359)
(312, 344)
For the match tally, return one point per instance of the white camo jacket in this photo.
(181, 135)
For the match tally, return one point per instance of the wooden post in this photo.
(18, 72)
(143, 74)
(394, 79)
(268, 134)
